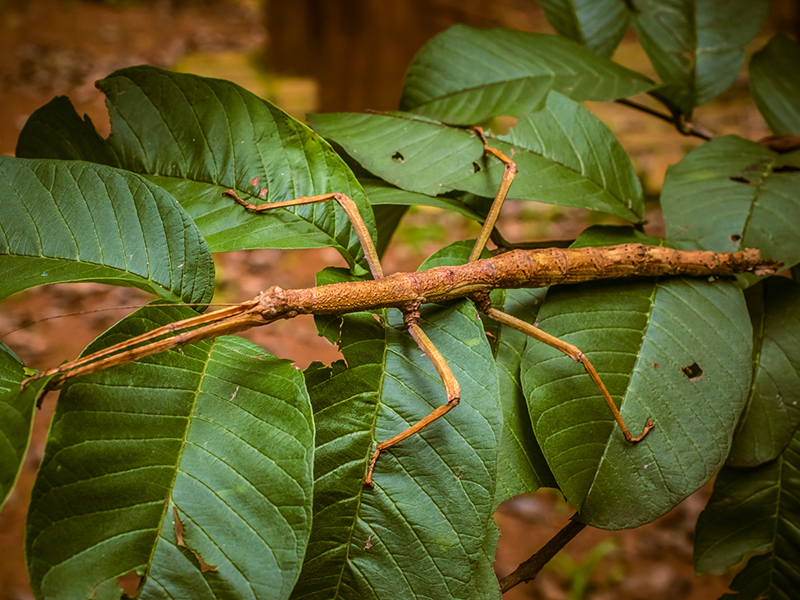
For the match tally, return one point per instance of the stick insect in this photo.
(477, 278)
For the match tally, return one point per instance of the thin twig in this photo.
(531, 567)
(682, 127)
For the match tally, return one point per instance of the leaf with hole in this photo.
(676, 351)
(192, 468)
(466, 75)
(730, 194)
(564, 154)
(76, 221)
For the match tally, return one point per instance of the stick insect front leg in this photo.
(410, 317)
(484, 304)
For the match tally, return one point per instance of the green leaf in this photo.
(218, 436)
(569, 157)
(413, 153)
(74, 221)
(730, 194)
(465, 75)
(697, 46)
(16, 418)
(565, 156)
(755, 510)
(420, 531)
(198, 137)
(676, 351)
(598, 25)
(56, 131)
(773, 408)
(775, 84)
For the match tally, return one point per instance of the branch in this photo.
(406, 291)
(531, 567)
(682, 126)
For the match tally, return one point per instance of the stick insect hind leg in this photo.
(483, 303)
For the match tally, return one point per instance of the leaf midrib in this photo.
(169, 501)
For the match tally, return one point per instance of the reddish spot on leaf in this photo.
(254, 183)
(263, 193)
(655, 365)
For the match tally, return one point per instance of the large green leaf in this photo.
(775, 84)
(597, 24)
(218, 436)
(751, 511)
(676, 351)
(198, 137)
(419, 533)
(697, 46)
(467, 75)
(75, 221)
(564, 154)
(732, 193)
(773, 408)
(16, 418)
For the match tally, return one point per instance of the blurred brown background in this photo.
(332, 55)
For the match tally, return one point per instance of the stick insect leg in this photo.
(451, 387)
(509, 173)
(575, 354)
(345, 202)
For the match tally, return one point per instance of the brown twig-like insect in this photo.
(408, 291)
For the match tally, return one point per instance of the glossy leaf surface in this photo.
(191, 468)
(467, 75)
(597, 24)
(732, 193)
(755, 510)
(676, 351)
(76, 221)
(565, 156)
(775, 84)
(198, 137)
(697, 46)
(420, 531)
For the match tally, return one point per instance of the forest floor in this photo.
(52, 47)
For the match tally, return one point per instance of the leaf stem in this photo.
(531, 567)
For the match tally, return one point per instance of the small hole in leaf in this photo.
(475, 167)
(736, 237)
(785, 169)
(739, 180)
(693, 372)
(397, 157)
(129, 583)
(204, 566)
